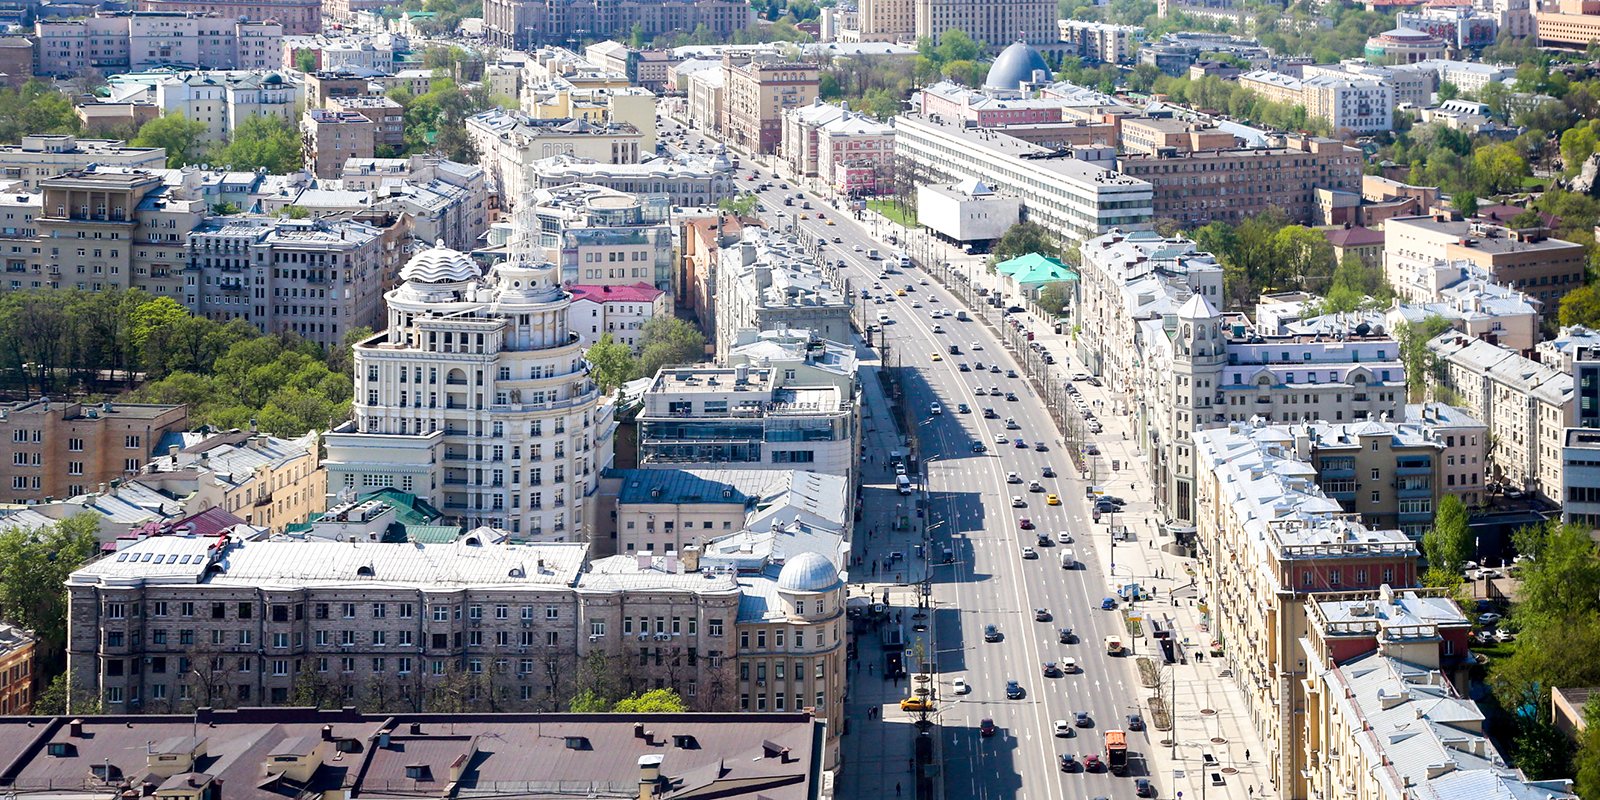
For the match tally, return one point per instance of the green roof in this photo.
(414, 519)
(432, 534)
(1036, 268)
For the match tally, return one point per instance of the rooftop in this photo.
(1039, 158)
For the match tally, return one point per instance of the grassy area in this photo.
(1496, 651)
(894, 211)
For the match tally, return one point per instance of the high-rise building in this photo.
(757, 89)
(522, 24)
(995, 23)
(298, 17)
(477, 398)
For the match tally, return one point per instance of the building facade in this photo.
(521, 24)
(17, 658)
(603, 237)
(1234, 184)
(765, 282)
(995, 23)
(1421, 256)
(620, 311)
(757, 89)
(298, 17)
(476, 398)
(333, 137)
(42, 156)
(62, 449)
(261, 480)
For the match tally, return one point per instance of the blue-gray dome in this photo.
(807, 572)
(1015, 65)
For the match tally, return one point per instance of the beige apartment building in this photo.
(333, 136)
(264, 480)
(174, 622)
(1199, 178)
(669, 510)
(42, 156)
(757, 88)
(1269, 542)
(63, 449)
(1420, 255)
(886, 20)
(1568, 24)
(994, 23)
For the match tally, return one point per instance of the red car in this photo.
(1092, 763)
(986, 727)
(1025, 524)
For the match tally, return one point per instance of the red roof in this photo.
(1354, 237)
(637, 293)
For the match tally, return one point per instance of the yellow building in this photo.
(264, 480)
(1574, 24)
(596, 105)
(16, 669)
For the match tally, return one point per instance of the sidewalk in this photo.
(1208, 711)
(877, 750)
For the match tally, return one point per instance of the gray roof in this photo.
(1015, 65)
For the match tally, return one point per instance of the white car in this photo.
(1012, 477)
(1018, 502)
(936, 409)
(1064, 537)
(938, 328)
(1080, 376)
(856, 248)
(977, 346)
(961, 686)
(980, 391)
(1001, 438)
(1063, 728)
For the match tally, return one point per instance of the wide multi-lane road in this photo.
(991, 582)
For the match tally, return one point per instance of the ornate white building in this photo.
(477, 398)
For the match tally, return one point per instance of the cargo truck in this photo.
(1117, 752)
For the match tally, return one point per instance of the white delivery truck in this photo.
(903, 483)
(1069, 559)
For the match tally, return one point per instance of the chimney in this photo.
(75, 729)
(691, 558)
(416, 729)
(649, 775)
(327, 733)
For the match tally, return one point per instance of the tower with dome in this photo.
(476, 397)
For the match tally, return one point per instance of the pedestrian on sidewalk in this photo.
(1247, 755)
(897, 789)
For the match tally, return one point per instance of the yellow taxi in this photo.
(805, 216)
(916, 704)
(899, 293)
(830, 222)
(937, 357)
(1052, 500)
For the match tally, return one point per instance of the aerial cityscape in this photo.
(800, 399)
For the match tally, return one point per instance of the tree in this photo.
(1448, 91)
(1054, 297)
(305, 60)
(1419, 361)
(292, 211)
(34, 566)
(743, 205)
(60, 697)
(1563, 577)
(1355, 285)
(1588, 756)
(587, 702)
(179, 135)
(1498, 168)
(1581, 306)
(262, 142)
(1449, 544)
(224, 209)
(613, 363)
(668, 340)
(1024, 238)
(656, 701)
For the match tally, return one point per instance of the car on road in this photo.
(979, 447)
(1052, 500)
(1049, 472)
(1064, 537)
(935, 408)
(856, 248)
(1108, 604)
(978, 365)
(1001, 438)
(837, 240)
(1135, 722)
(980, 391)
(1041, 615)
(1096, 427)
(1050, 669)
(960, 686)
(1019, 444)
(1082, 720)
(1488, 619)
(1039, 447)
(963, 366)
(1012, 477)
(1093, 381)
(988, 413)
(1011, 373)
(1068, 762)
(937, 357)
(1011, 424)
(993, 390)
(1077, 376)
(1018, 502)
(1035, 486)
(1029, 553)
(1063, 729)
(977, 346)
(963, 408)
(1014, 690)
(991, 633)
(1112, 499)
(1092, 450)
(1092, 763)
(986, 727)
(1012, 396)
(1025, 524)
(916, 704)
(1142, 787)
(995, 368)
(1066, 635)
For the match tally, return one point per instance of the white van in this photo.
(903, 483)
(1069, 559)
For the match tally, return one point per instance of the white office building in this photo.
(477, 398)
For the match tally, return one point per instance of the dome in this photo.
(439, 264)
(807, 572)
(1014, 66)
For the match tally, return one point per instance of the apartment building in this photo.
(621, 311)
(994, 23)
(510, 142)
(1411, 85)
(262, 480)
(224, 101)
(886, 21)
(17, 658)
(754, 755)
(1475, 306)
(855, 155)
(757, 88)
(1350, 105)
(523, 24)
(1527, 406)
(644, 68)
(46, 155)
(987, 109)
(748, 418)
(599, 105)
(319, 279)
(114, 42)
(798, 140)
(446, 200)
(602, 237)
(391, 623)
(687, 180)
(332, 137)
(768, 282)
(1073, 199)
(512, 432)
(16, 60)
(1270, 541)
(1568, 24)
(1386, 714)
(1420, 256)
(61, 449)
(1100, 42)
(324, 85)
(298, 17)
(387, 117)
(1196, 186)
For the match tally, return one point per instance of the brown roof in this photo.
(1354, 237)
(771, 755)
